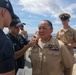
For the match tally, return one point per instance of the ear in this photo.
(51, 30)
(3, 11)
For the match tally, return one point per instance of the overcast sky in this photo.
(32, 12)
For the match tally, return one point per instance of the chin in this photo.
(42, 37)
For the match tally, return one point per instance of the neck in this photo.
(66, 27)
(1, 22)
(1, 25)
(46, 39)
(13, 34)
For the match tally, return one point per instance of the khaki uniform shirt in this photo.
(50, 59)
(24, 33)
(67, 37)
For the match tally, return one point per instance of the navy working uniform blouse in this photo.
(18, 43)
(6, 54)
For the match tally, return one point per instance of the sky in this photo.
(32, 12)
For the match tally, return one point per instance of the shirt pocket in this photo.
(53, 58)
(53, 53)
(34, 56)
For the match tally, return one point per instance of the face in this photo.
(65, 22)
(7, 18)
(44, 30)
(14, 30)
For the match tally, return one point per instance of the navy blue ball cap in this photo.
(6, 4)
(64, 16)
(14, 16)
(16, 23)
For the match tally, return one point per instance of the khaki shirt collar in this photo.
(50, 42)
(67, 29)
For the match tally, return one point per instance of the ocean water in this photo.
(30, 36)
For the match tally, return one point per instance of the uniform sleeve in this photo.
(25, 34)
(75, 36)
(29, 55)
(57, 35)
(26, 41)
(67, 58)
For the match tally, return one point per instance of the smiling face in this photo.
(45, 30)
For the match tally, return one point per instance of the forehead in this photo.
(15, 27)
(66, 20)
(43, 23)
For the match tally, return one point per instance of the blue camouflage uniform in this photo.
(6, 54)
(18, 43)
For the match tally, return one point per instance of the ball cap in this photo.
(16, 23)
(64, 16)
(6, 4)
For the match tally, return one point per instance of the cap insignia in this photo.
(7, 5)
(7, 0)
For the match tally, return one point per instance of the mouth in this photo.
(42, 34)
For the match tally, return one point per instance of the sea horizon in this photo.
(32, 34)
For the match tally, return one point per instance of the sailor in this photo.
(50, 56)
(67, 34)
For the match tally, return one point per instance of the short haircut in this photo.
(49, 23)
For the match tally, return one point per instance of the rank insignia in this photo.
(53, 47)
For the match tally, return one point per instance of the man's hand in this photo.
(33, 42)
(71, 45)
